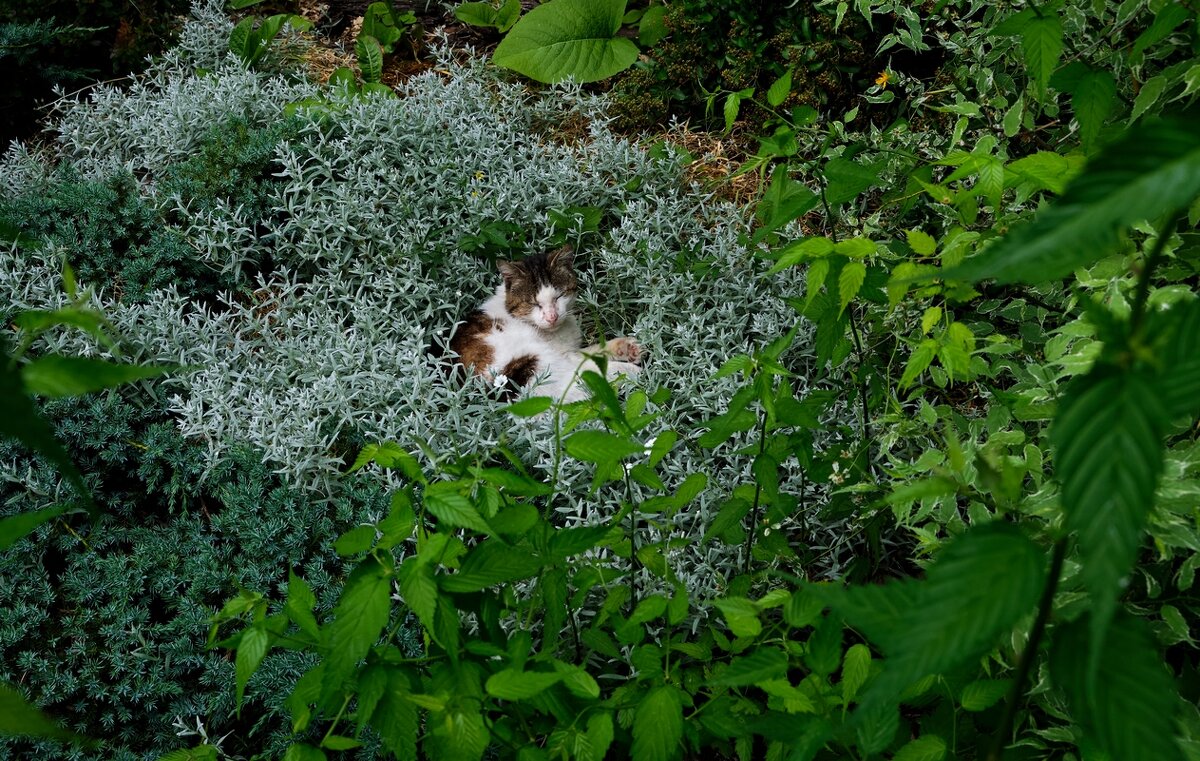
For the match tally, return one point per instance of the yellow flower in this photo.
(882, 79)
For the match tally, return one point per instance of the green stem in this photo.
(1029, 655)
(336, 719)
(762, 447)
(635, 565)
(1142, 294)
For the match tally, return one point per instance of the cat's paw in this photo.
(625, 349)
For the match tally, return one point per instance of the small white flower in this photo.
(500, 381)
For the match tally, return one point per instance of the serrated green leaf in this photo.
(54, 376)
(573, 541)
(1042, 42)
(918, 361)
(850, 281)
(358, 620)
(1169, 16)
(1152, 170)
(1129, 708)
(1148, 95)
(1092, 100)
(741, 615)
(490, 564)
(568, 38)
(856, 666)
(921, 243)
(339, 742)
(419, 589)
(303, 752)
(202, 752)
(1178, 385)
(396, 718)
(355, 541)
(975, 591)
(444, 502)
(932, 316)
(520, 685)
(924, 748)
(88, 320)
(1107, 439)
(534, 405)
(658, 725)
(778, 91)
(759, 665)
(847, 180)
(300, 604)
(600, 446)
(982, 694)
(251, 649)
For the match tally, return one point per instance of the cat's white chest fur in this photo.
(557, 351)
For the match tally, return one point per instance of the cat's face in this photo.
(541, 288)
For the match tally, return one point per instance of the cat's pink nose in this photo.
(551, 317)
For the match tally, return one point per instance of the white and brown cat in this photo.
(527, 331)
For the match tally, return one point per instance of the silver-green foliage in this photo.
(373, 196)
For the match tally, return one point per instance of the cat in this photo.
(527, 330)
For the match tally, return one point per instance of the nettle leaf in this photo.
(925, 748)
(848, 179)
(1152, 170)
(1093, 99)
(1107, 439)
(976, 590)
(520, 685)
(20, 718)
(983, 694)
(856, 666)
(1169, 16)
(1130, 707)
(251, 649)
(396, 718)
(1042, 41)
(300, 604)
(491, 563)
(203, 752)
(1178, 385)
(779, 89)
(921, 243)
(760, 665)
(741, 615)
(850, 282)
(568, 38)
(658, 725)
(358, 620)
(600, 446)
(55, 376)
(918, 361)
(454, 509)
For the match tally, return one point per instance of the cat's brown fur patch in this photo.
(523, 279)
(469, 343)
(521, 370)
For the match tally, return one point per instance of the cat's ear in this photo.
(508, 270)
(562, 258)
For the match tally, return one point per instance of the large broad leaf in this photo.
(658, 725)
(56, 376)
(1178, 385)
(1107, 440)
(360, 615)
(1130, 708)
(18, 526)
(19, 419)
(568, 38)
(18, 717)
(976, 591)
(1154, 169)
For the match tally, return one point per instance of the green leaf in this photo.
(1042, 42)
(658, 725)
(1046, 170)
(924, 748)
(855, 668)
(975, 591)
(520, 685)
(1148, 95)
(1154, 169)
(1012, 117)
(1093, 100)
(396, 718)
(652, 28)
(1178, 385)
(1129, 709)
(88, 320)
(850, 282)
(448, 506)
(491, 563)
(515, 483)
(300, 604)
(932, 316)
(600, 446)
(203, 752)
(568, 38)
(569, 542)
(17, 526)
(303, 752)
(358, 620)
(847, 180)
(778, 91)
(476, 14)
(918, 361)
(251, 649)
(340, 742)
(56, 376)
(782, 201)
(355, 541)
(759, 665)
(983, 694)
(1169, 16)
(419, 589)
(370, 57)
(921, 243)
(381, 26)
(741, 615)
(19, 718)
(534, 405)
(1107, 439)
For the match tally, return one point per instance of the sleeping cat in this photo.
(526, 330)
